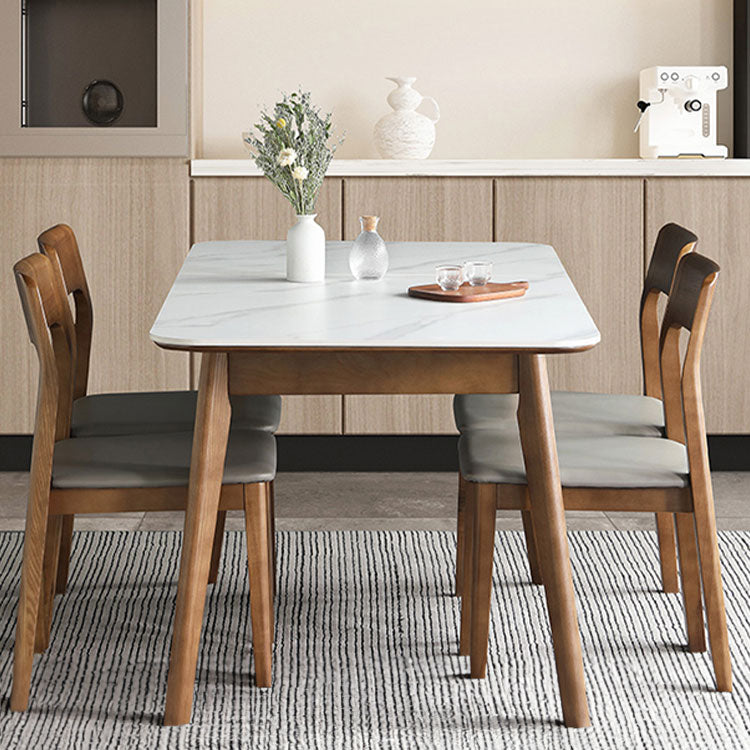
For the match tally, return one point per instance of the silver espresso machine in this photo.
(678, 111)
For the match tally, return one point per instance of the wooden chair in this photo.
(113, 473)
(600, 413)
(128, 413)
(616, 473)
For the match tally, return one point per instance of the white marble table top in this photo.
(234, 295)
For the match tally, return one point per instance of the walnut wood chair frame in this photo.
(59, 243)
(672, 243)
(54, 336)
(692, 506)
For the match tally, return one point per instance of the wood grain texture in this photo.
(482, 496)
(537, 434)
(688, 308)
(251, 208)
(259, 564)
(414, 208)
(399, 415)
(212, 419)
(131, 219)
(50, 328)
(386, 371)
(595, 225)
(716, 210)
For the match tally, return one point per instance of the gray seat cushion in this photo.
(156, 460)
(495, 457)
(166, 411)
(574, 413)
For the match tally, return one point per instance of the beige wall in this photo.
(514, 78)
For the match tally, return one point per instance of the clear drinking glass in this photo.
(478, 272)
(368, 258)
(449, 278)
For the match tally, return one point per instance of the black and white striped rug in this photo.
(366, 650)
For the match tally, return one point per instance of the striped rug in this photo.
(366, 650)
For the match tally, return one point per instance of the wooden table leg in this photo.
(206, 473)
(545, 492)
(467, 570)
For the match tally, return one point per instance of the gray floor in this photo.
(341, 501)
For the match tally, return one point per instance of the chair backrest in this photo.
(672, 243)
(687, 310)
(50, 325)
(60, 245)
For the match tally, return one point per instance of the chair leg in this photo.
(63, 563)
(257, 529)
(531, 550)
(272, 538)
(691, 581)
(461, 502)
(665, 523)
(713, 591)
(49, 583)
(34, 543)
(485, 510)
(213, 571)
(467, 563)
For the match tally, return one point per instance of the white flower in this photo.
(300, 173)
(286, 157)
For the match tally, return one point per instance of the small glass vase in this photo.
(368, 259)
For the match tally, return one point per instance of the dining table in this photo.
(261, 334)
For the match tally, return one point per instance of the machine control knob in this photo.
(715, 76)
(664, 76)
(675, 76)
(693, 105)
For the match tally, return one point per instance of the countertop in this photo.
(497, 168)
(235, 295)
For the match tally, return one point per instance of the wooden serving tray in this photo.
(468, 293)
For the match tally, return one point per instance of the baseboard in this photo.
(383, 452)
(15, 452)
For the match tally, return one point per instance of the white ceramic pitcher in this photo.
(406, 133)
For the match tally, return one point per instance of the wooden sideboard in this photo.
(131, 217)
(602, 226)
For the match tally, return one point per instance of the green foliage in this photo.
(296, 135)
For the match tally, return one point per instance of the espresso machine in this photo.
(678, 111)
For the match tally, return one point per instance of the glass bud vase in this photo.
(368, 258)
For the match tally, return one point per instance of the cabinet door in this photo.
(596, 226)
(414, 208)
(251, 208)
(716, 210)
(131, 220)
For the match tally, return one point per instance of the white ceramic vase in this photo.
(406, 133)
(306, 250)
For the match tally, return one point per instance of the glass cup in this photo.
(478, 272)
(449, 278)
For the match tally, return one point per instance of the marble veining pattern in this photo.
(234, 294)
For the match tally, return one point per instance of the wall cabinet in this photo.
(414, 208)
(251, 208)
(596, 226)
(135, 219)
(716, 210)
(131, 220)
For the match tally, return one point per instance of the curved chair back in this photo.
(687, 310)
(60, 245)
(672, 243)
(50, 325)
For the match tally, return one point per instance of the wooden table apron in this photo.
(290, 370)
